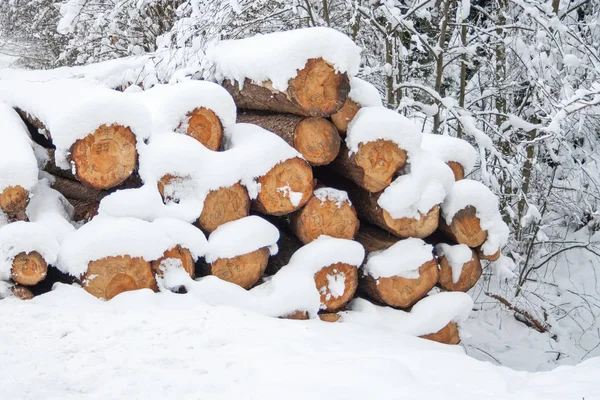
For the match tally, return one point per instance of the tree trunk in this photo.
(316, 91)
(471, 272)
(446, 335)
(110, 276)
(373, 166)
(14, 201)
(285, 188)
(315, 138)
(465, 228)
(204, 126)
(244, 270)
(345, 115)
(28, 268)
(327, 217)
(401, 292)
(172, 257)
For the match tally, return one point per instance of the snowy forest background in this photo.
(520, 79)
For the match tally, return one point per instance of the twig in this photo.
(537, 324)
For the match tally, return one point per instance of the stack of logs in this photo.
(312, 116)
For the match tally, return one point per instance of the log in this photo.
(373, 238)
(329, 317)
(28, 268)
(316, 91)
(244, 270)
(401, 292)
(223, 205)
(22, 292)
(288, 244)
(315, 138)
(471, 272)
(83, 210)
(176, 256)
(328, 217)
(373, 166)
(76, 190)
(457, 169)
(297, 315)
(344, 116)
(105, 158)
(110, 276)
(337, 284)
(465, 228)
(14, 201)
(447, 335)
(291, 178)
(492, 257)
(204, 126)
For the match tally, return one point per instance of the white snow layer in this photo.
(457, 256)
(448, 148)
(26, 237)
(425, 186)
(330, 194)
(170, 104)
(374, 123)
(71, 109)
(106, 236)
(18, 165)
(241, 237)
(277, 57)
(467, 192)
(364, 93)
(402, 259)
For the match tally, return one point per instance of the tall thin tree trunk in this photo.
(463, 74)
(440, 62)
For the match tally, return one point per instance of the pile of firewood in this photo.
(330, 190)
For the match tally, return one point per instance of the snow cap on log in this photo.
(25, 237)
(451, 149)
(460, 268)
(424, 187)
(171, 104)
(71, 109)
(457, 256)
(277, 57)
(427, 316)
(241, 237)
(362, 94)
(375, 123)
(467, 192)
(402, 259)
(112, 237)
(18, 165)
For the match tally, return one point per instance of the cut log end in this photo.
(412, 227)
(205, 127)
(105, 158)
(457, 170)
(319, 89)
(329, 317)
(285, 188)
(465, 228)
(345, 115)
(244, 270)
(110, 276)
(317, 140)
(402, 292)
(177, 256)
(297, 315)
(327, 217)
(446, 335)
(336, 284)
(491, 257)
(28, 268)
(14, 201)
(224, 205)
(471, 272)
(22, 292)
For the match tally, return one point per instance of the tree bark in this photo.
(471, 272)
(28, 269)
(465, 228)
(316, 91)
(315, 138)
(373, 166)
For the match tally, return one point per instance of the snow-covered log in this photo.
(96, 131)
(304, 71)
(175, 257)
(238, 251)
(22, 292)
(362, 94)
(457, 153)
(447, 335)
(315, 138)
(398, 275)
(377, 145)
(460, 267)
(329, 212)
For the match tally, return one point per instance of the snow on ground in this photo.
(69, 345)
